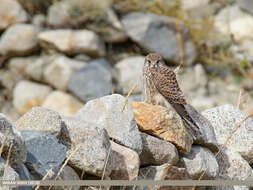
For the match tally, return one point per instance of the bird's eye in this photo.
(158, 61)
(149, 62)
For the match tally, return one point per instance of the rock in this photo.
(13, 137)
(10, 174)
(175, 173)
(164, 172)
(34, 7)
(157, 152)
(9, 78)
(120, 125)
(8, 109)
(58, 14)
(39, 20)
(233, 167)
(246, 5)
(162, 123)
(154, 172)
(143, 29)
(94, 146)
(24, 175)
(90, 82)
(60, 70)
(200, 9)
(82, 57)
(76, 13)
(134, 98)
(29, 94)
(36, 69)
(207, 135)
(114, 31)
(224, 119)
(19, 40)
(67, 174)
(63, 103)
(126, 163)
(41, 119)
(43, 153)
(199, 160)
(72, 42)
(129, 72)
(11, 12)
(19, 64)
(240, 23)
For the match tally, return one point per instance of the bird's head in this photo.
(153, 60)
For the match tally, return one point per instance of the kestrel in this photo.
(160, 80)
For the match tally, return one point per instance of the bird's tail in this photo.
(189, 123)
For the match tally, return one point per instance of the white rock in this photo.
(63, 103)
(224, 119)
(19, 39)
(129, 72)
(59, 72)
(232, 20)
(11, 12)
(28, 94)
(73, 41)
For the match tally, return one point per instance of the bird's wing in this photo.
(166, 83)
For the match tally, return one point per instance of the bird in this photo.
(160, 81)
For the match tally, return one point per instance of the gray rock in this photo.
(10, 174)
(41, 119)
(94, 146)
(102, 63)
(72, 42)
(156, 151)
(11, 12)
(92, 81)
(60, 70)
(19, 39)
(164, 172)
(126, 163)
(24, 174)
(199, 160)
(233, 167)
(207, 135)
(43, 153)
(29, 94)
(224, 119)
(67, 174)
(106, 113)
(143, 29)
(128, 73)
(13, 137)
(154, 172)
(134, 98)
(246, 5)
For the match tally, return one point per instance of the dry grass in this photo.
(227, 140)
(7, 162)
(127, 97)
(44, 178)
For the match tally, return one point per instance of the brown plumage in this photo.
(160, 79)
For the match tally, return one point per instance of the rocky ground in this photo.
(66, 68)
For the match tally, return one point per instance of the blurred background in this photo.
(62, 53)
